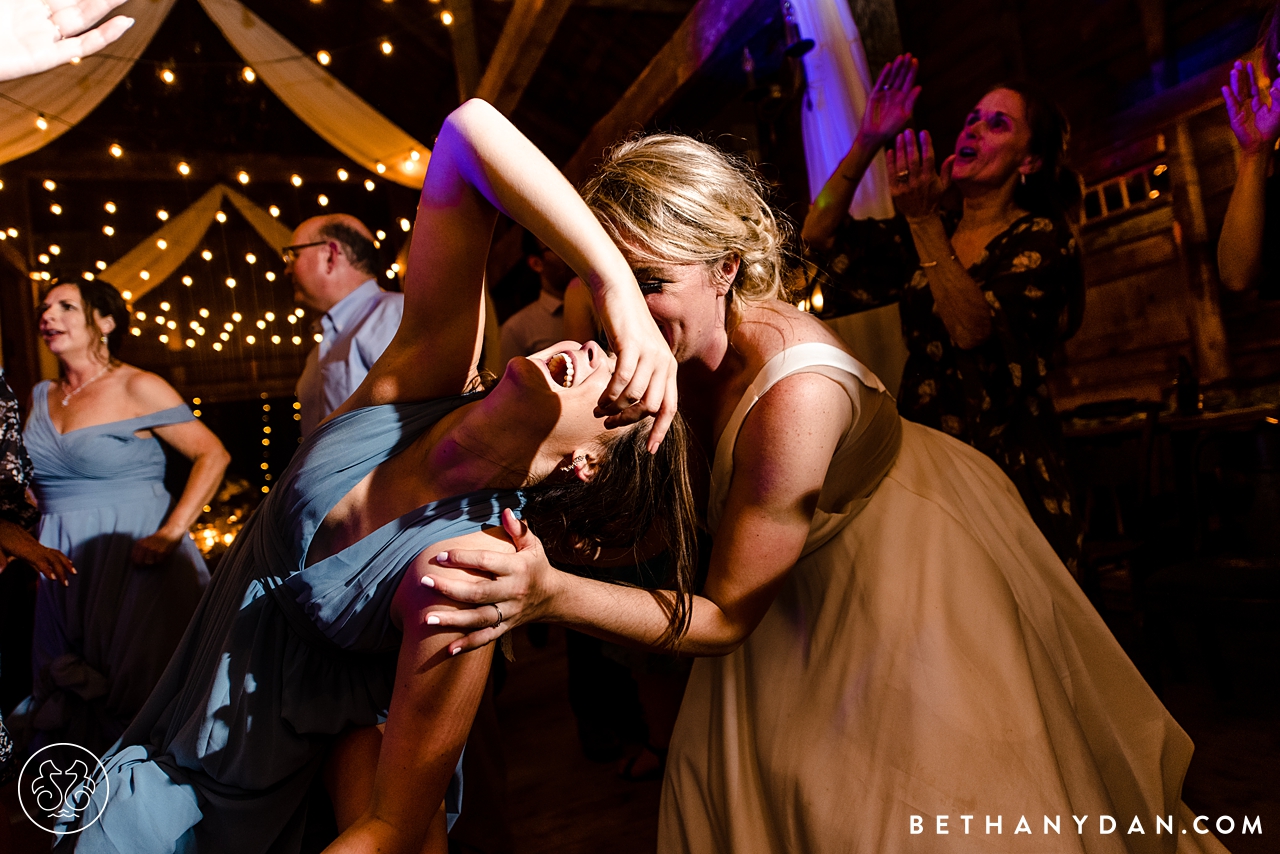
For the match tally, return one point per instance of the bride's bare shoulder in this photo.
(764, 329)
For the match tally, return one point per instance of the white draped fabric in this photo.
(332, 110)
(163, 252)
(838, 83)
(67, 94)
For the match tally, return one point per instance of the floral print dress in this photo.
(993, 396)
(15, 475)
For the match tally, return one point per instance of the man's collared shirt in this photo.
(354, 334)
(534, 327)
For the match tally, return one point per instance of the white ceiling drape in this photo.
(158, 256)
(67, 94)
(838, 85)
(332, 110)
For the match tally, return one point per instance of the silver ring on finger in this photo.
(498, 622)
(903, 175)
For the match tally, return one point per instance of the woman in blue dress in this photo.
(318, 623)
(103, 639)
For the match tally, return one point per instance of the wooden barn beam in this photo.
(524, 41)
(466, 56)
(700, 36)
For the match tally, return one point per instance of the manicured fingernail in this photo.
(443, 557)
(428, 581)
(455, 650)
(433, 620)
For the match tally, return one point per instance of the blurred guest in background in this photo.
(540, 323)
(1249, 249)
(104, 635)
(333, 263)
(987, 295)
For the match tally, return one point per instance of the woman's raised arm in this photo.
(482, 166)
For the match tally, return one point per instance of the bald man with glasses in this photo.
(333, 264)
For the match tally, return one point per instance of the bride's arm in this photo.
(482, 166)
(780, 462)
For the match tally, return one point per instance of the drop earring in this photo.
(577, 461)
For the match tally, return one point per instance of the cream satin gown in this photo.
(928, 655)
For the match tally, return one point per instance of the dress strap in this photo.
(810, 357)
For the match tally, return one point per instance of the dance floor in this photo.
(560, 802)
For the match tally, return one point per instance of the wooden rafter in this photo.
(699, 37)
(466, 56)
(525, 38)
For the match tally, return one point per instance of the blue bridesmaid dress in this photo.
(102, 642)
(280, 658)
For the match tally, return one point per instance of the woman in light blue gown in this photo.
(103, 639)
(318, 623)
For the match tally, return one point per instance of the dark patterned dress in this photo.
(993, 396)
(15, 475)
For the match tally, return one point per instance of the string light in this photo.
(251, 258)
(144, 275)
(108, 230)
(237, 316)
(368, 184)
(190, 342)
(343, 174)
(128, 295)
(194, 324)
(317, 337)
(323, 200)
(172, 324)
(87, 276)
(135, 331)
(109, 207)
(164, 339)
(248, 74)
(274, 211)
(204, 312)
(395, 265)
(405, 225)
(323, 57)
(188, 281)
(271, 277)
(162, 215)
(217, 345)
(231, 283)
(162, 243)
(249, 339)
(101, 265)
(142, 315)
(55, 249)
(164, 306)
(446, 17)
(206, 255)
(380, 166)
(13, 232)
(225, 336)
(55, 208)
(391, 274)
(116, 150)
(296, 340)
(386, 48)
(414, 155)
(242, 176)
(295, 180)
(220, 216)
(41, 122)
(42, 258)
(292, 319)
(184, 169)
(168, 76)
(298, 311)
(270, 316)
(382, 235)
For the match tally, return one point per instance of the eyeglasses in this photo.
(290, 253)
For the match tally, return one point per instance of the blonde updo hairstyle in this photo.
(674, 200)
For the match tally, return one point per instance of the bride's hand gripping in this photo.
(644, 379)
(521, 589)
